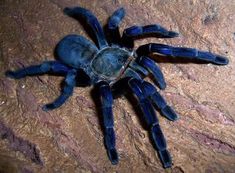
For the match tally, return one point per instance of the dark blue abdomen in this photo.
(76, 51)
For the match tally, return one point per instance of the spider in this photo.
(108, 63)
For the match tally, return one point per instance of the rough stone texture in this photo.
(69, 139)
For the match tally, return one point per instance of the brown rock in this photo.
(69, 139)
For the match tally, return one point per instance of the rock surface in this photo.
(69, 139)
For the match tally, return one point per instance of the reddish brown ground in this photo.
(69, 139)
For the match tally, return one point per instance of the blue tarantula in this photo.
(108, 63)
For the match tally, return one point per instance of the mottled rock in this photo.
(70, 139)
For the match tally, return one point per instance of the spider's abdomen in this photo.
(110, 62)
(76, 51)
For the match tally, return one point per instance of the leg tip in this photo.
(47, 107)
(173, 34)
(44, 108)
(162, 85)
(220, 60)
(167, 165)
(113, 156)
(67, 10)
(121, 11)
(165, 158)
(169, 113)
(10, 74)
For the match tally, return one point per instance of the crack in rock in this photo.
(28, 149)
(211, 114)
(213, 143)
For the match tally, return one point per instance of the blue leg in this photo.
(133, 32)
(113, 24)
(154, 69)
(133, 71)
(189, 53)
(67, 91)
(48, 66)
(152, 122)
(151, 92)
(109, 134)
(78, 13)
(134, 65)
(130, 73)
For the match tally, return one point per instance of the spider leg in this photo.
(134, 65)
(153, 68)
(47, 66)
(109, 134)
(66, 92)
(158, 101)
(144, 65)
(184, 52)
(119, 86)
(78, 13)
(152, 122)
(113, 23)
(133, 32)
(130, 73)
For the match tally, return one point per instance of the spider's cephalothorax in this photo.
(107, 63)
(111, 62)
